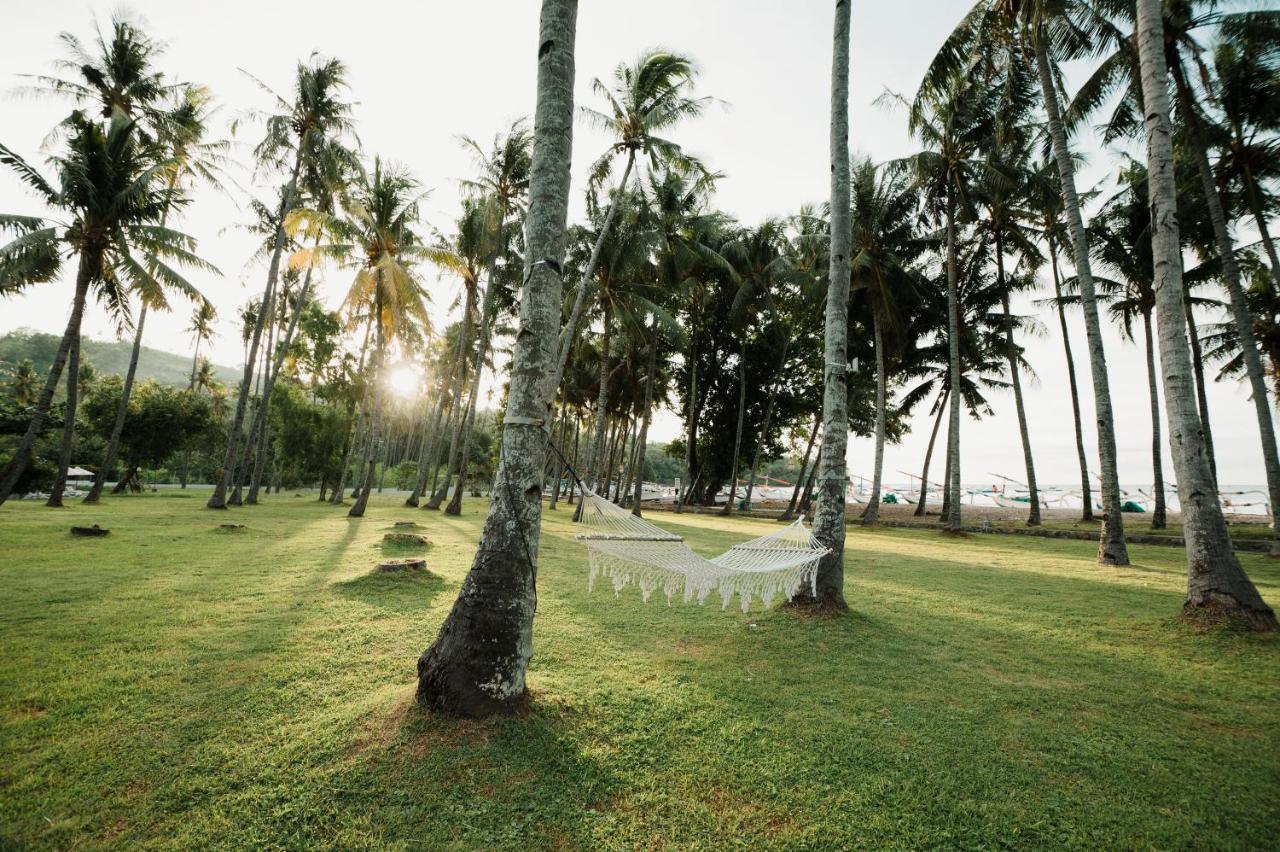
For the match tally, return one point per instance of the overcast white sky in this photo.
(425, 72)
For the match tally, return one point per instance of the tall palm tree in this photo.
(181, 131)
(376, 233)
(112, 191)
(646, 98)
(476, 665)
(885, 246)
(201, 330)
(1216, 583)
(308, 127)
(829, 520)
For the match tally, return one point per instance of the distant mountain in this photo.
(106, 356)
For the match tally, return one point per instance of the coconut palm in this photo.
(647, 97)
(309, 127)
(111, 189)
(1216, 583)
(476, 666)
(376, 234)
(23, 382)
(181, 130)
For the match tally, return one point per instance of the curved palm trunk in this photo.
(1260, 219)
(737, 437)
(829, 520)
(580, 295)
(1033, 517)
(871, 514)
(802, 475)
(1240, 313)
(426, 451)
(951, 507)
(1202, 396)
(1216, 583)
(68, 426)
(1159, 518)
(218, 500)
(457, 413)
(18, 464)
(122, 409)
(454, 506)
(928, 457)
(1112, 549)
(1086, 492)
(369, 464)
(477, 664)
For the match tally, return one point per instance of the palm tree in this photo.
(201, 331)
(180, 131)
(111, 189)
(23, 381)
(376, 234)
(829, 521)
(1182, 21)
(1216, 583)
(476, 666)
(884, 248)
(307, 128)
(647, 97)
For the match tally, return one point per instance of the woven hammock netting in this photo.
(626, 549)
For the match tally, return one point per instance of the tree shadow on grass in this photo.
(398, 591)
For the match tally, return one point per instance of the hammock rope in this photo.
(629, 550)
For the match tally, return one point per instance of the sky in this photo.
(425, 73)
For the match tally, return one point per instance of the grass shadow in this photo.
(399, 591)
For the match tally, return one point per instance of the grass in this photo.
(175, 686)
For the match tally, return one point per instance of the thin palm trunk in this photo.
(1112, 549)
(18, 464)
(691, 431)
(1033, 515)
(477, 664)
(806, 499)
(928, 457)
(354, 433)
(768, 421)
(426, 450)
(1216, 583)
(1240, 313)
(1260, 219)
(1086, 494)
(737, 436)
(375, 395)
(457, 414)
(1202, 396)
(597, 449)
(871, 514)
(557, 466)
(829, 520)
(186, 451)
(455, 502)
(68, 426)
(122, 409)
(801, 476)
(218, 500)
(642, 442)
(951, 509)
(1158, 515)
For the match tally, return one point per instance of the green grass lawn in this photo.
(176, 686)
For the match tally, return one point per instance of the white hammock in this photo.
(628, 549)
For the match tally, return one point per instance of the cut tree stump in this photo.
(94, 530)
(404, 539)
(231, 527)
(403, 565)
(406, 525)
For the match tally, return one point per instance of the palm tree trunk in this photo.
(829, 520)
(457, 414)
(218, 500)
(871, 515)
(597, 449)
(186, 452)
(477, 664)
(1159, 515)
(580, 296)
(122, 409)
(1033, 517)
(68, 426)
(426, 451)
(1112, 549)
(642, 441)
(18, 464)
(951, 510)
(1240, 314)
(1086, 495)
(768, 421)
(1216, 583)
(691, 428)
(1202, 396)
(454, 506)
(806, 499)
(375, 405)
(1255, 207)
(737, 438)
(801, 476)
(928, 457)
(557, 467)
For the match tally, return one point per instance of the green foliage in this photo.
(166, 368)
(160, 422)
(986, 692)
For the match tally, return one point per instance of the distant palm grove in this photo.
(771, 340)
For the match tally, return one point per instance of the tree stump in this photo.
(93, 531)
(405, 539)
(395, 565)
(406, 525)
(231, 527)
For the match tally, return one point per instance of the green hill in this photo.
(107, 357)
